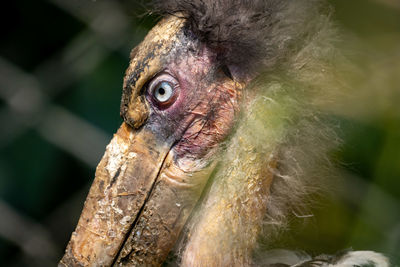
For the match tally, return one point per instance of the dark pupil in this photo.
(161, 91)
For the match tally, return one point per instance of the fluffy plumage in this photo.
(288, 45)
(285, 258)
(247, 33)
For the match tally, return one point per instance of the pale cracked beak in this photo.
(137, 205)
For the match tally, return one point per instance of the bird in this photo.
(223, 138)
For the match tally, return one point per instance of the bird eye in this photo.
(163, 92)
(163, 89)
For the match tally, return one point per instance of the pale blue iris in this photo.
(163, 92)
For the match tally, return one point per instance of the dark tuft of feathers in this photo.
(246, 33)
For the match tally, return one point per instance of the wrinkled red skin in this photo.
(206, 106)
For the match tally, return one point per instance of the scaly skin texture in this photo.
(146, 61)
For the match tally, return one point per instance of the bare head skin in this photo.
(220, 139)
(179, 104)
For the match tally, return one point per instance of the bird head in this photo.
(179, 103)
(185, 142)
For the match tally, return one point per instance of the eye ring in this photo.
(163, 90)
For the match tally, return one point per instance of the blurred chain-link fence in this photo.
(61, 69)
(56, 53)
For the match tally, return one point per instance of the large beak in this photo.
(137, 205)
(140, 198)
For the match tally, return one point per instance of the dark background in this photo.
(61, 69)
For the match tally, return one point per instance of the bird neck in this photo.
(224, 230)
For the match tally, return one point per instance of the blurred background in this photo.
(61, 69)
